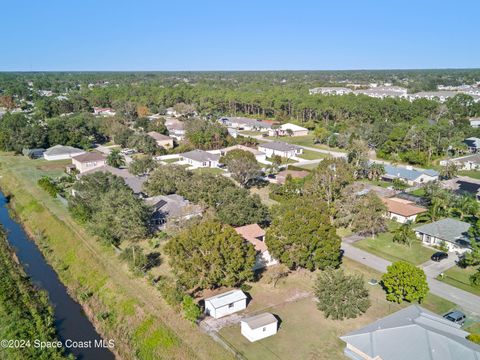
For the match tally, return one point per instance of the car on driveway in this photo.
(439, 256)
(455, 316)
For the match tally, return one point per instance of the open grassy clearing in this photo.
(312, 155)
(308, 166)
(459, 277)
(171, 161)
(263, 192)
(304, 332)
(383, 246)
(306, 140)
(472, 173)
(122, 307)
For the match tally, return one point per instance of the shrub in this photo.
(191, 310)
(49, 186)
(404, 281)
(474, 338)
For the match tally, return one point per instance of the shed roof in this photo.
(226, 298)
(261, 320)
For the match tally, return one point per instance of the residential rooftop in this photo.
(62, 150)
(226, 298)
(157, 136)
(279, 146)
(408, 173)
(448, 229)
(90, 156)
(252, 233)
(402, 207)
(200, 156)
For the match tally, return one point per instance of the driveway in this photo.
(467, 301)
(435, 268)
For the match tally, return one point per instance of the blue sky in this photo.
(238, 35)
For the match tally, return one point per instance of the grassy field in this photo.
(209, 170)
(304, 141)
(122, 307)
(304, 332)
(171, 161)
(473, 174)
(308, 166)
(383, 246)
(312, 155)
(459, 277)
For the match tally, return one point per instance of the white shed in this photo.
(259, 326)
(225, 304)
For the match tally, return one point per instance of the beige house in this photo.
(288, 129)
(401, 210)
(163, 141)
(255, 235)
(88, 161)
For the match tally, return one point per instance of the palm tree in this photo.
(375, 171)
(405, 234)
(115, 159)
(465, 206)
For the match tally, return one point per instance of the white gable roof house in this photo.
(288, 130)
(199, 158)
(259, 326)
(225, 304)
(281, 149)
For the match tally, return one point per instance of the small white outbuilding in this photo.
(259, 326)
(225, 304)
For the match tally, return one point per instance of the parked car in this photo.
(439, 256)
(455, 316)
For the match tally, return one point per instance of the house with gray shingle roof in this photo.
(412, 333)
(199, 158)
(61, 152)
(454, 233)
(473, 144)
(409, 175)
(282, 149)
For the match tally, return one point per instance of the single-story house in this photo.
(255, 235)
(176, 128)
(259, 326)
(412, 333)
(259, 156)
(33, 153)
(281, 149)
(473, 144)
(463, 185)
(409, 175)
(163, 141)
(88, 161)
(469, 162)
(199, 159)
(225, 304)
(453, 233)
(243, 123)
(288, 129)
(474, 122)
(295, 174)
(60, 152)
(132, 181)
(401, 210)
(171, 207)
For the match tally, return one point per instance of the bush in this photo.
(474, 338)
(341, 296)
(475, 279)
(49, 185)
(404, 281)
(171, 291)
(191, 310)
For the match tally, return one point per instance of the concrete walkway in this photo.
(467, 301)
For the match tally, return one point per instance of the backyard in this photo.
(382, 245)
(304, 333)
(312, 155)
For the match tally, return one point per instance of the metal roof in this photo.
(408, 173)
(413, 333)
(226, 298)
(261, 320)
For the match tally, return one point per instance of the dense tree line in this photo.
(233, 205)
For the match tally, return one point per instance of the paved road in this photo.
(467, 301)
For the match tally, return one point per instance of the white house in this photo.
(288, 130)
(99, 111)
(243, 123)
(88, 161)
(409, 175)
(255, 235)
(60, 152)
(259, 326)
(401, 210)
(199, 159)
(470, 162)
(261, 157)
(281, 149)
(450, 232)
(225, 304)
(473, 144)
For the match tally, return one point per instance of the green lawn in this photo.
(312, 155)
(473, 174)
(249, 133)
(304, 332)
(169, 161)
(419, 192)
(383, 246)
(307, 166)
(208, 170)
(459, 277)
(304, 141)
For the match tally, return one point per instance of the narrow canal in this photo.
(70, 321)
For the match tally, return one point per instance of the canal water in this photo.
(70, 320)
